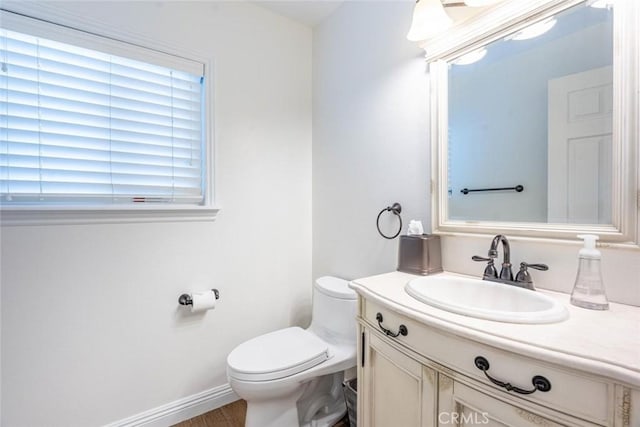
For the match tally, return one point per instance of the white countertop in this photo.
(601, 342)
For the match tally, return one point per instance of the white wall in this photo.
(370, 136)
(91, 329)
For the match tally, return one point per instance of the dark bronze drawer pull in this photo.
(539, 382)
(402, 330)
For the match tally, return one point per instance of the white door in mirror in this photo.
(580, 134)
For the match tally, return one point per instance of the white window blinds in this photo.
(82, 126)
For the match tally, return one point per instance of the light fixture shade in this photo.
(471, 57)
(533, 31)
(429, 19)
(479, 3)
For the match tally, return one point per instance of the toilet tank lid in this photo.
(335, 287)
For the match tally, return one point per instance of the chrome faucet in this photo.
(505, 271)
(522, 279)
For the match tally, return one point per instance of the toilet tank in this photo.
(334, 310)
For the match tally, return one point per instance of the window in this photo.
(97, 122)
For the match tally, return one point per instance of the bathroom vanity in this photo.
(423, 366)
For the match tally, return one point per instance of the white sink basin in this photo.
(486, 300)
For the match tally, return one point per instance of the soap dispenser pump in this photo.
(588, 291)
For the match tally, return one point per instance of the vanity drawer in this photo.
(572, 392)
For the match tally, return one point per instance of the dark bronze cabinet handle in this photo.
(539, 382)
(402, 330)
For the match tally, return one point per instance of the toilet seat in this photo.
(277, 355)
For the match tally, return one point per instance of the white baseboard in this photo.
(180, 410)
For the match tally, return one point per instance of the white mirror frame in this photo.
(496, 23)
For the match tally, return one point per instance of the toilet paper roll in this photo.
(202, 301)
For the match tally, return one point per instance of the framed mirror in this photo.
(534, 121)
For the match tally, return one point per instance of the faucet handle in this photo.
(490, 269)
(541, 267)
(523, 275)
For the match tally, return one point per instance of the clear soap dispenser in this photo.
(588, 291)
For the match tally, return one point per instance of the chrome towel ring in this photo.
(396, 209)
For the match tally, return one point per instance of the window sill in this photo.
(19, 215)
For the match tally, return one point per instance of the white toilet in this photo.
(293, 377)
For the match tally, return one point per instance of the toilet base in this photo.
(318, 402)
(270, 404)
(327, 420)
(322, 404)
(271, 413)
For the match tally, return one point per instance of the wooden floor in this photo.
(231, 415)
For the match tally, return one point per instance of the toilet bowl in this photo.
(293, 377)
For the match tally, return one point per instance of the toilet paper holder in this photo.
(185, 299)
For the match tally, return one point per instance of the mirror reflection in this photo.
(533, 112)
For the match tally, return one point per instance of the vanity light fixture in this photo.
(430, 18)
(471, 57)
(533, 31)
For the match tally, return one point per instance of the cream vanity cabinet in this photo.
(395, 389)
(429, 377)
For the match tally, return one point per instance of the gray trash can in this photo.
(351, 397)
